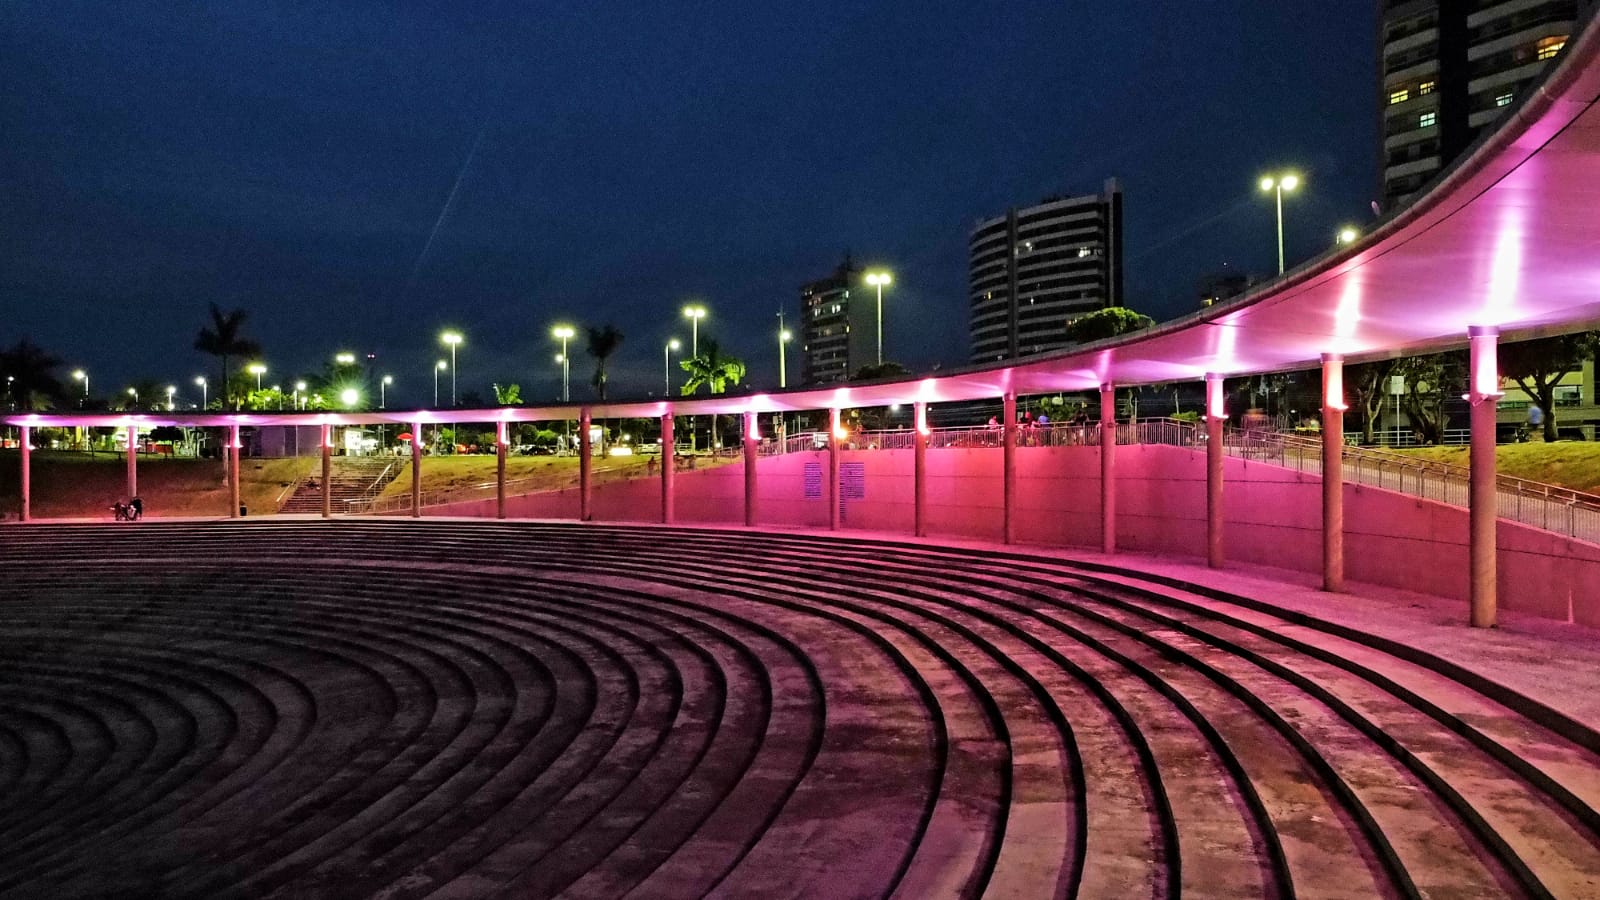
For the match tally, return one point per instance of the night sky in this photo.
(360, 175)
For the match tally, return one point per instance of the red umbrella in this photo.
(403, 436)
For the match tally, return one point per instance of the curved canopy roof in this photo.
(1508, 238)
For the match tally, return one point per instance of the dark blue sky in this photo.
(294, 158)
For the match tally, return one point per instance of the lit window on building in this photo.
(1084, 251)
(1427, 119)
(1503, 100)
(1425, 88)
(1550, 46)
(1399, 96)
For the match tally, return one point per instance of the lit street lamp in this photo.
(349, 397)
(438, 367)
(666, 364)
(879, 280)
(453, 338)
(344, 358)
(258, 370)
(134, 393)
(200, 381)
(383, 394)
(694, 313)
(81, 375)
(1347, 235)
(1288, 181)
(170, 391)
(563, 333)
(299, 388)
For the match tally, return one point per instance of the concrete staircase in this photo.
(353, 478)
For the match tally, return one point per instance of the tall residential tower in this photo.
(1449, 69)
(837, 331)
(1034, 269)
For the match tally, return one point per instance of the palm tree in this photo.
(224, 338)
(602, 343)
(509, 395)
(712, 370)
(30, 375)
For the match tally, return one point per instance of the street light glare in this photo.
(345, 359)
(349, 396)
(256, 369)
(299, 385)
(694, 312)
(1290, 182)
(77, 374)
(1348, 235)
(879, 278)
(563, 332)
(451, 337)
(200, 379)
(443, 365)
(388, 379)
(674, 344)
(1268, 183)
(785, 335)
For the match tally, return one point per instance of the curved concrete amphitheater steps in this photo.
(404, 709)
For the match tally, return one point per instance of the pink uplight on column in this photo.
(922, 420)
(500, 433)
(1485, 362)
(1333, 382)
(752, 426)
(1216, 402)
(836, 416)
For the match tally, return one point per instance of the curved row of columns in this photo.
(1483, 392)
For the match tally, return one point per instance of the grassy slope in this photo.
(538, 473)
(75, 485)
(1571, 464)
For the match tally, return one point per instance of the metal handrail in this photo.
(1554, 508)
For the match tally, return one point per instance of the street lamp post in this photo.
(879, 280)
(666, 367)
(170, 391)
(205, 401)
(784, 337)
(1287, 181)
(81, 375)
(258, 370)
(134, 393)
(438, 367)
(564, 333)
(299, 399)
(453, 338)
(383, 392)
(694, 313)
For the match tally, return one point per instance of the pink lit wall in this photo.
(1273, 515)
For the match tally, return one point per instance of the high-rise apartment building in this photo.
(1450, 68)
(838, 330)
(1034, 269)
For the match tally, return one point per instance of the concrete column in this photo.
(1216, 418)
(416, 470)
(1008, 443)
(835, 425)
(585, 465)
(25, 510)
(1108, 468)
(500, 441)
(1483, 514)
(133, 461)
(327, 471)
(1333, 407)
(231, 454)
(752, 454)
(920, 476)
(669, 462)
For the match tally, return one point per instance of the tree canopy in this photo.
(1537, 366)
(224, 338)
(603, 342)
(1106, 323)
(711, 369)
